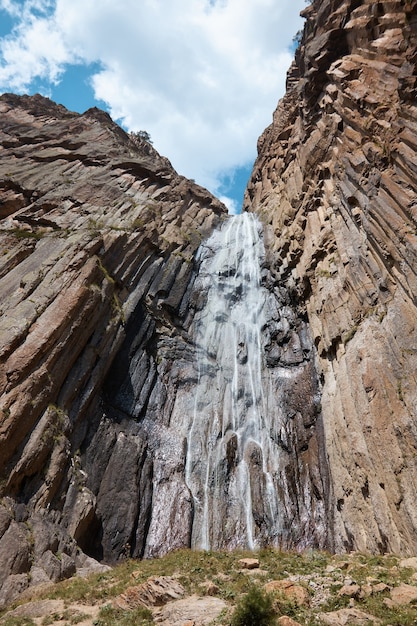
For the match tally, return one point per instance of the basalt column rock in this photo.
(335, 182)
(97, 237)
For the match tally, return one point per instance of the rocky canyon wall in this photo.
(97, 239)
(335, 182)
(101, 417)
(101, 300)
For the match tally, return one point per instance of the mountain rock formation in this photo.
(97, 238)
(336, 182)
(99, 369)
(100, 291)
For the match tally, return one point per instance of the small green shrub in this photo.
(254, 609)
(21, 233)
(349, 334)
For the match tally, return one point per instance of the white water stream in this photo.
(231, 470)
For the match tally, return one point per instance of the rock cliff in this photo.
(99, 369)
(100, 410)
(97, 239)
(100, 292)
(335, 181)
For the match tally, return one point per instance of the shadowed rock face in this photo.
(335, 180)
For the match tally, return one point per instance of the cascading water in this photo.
(232, 461)
(227, 448)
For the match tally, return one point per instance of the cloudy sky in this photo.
(201, 76)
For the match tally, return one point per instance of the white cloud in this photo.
(202, 77)
(231, 204)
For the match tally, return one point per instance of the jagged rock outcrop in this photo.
(97, 239)
(335, 181)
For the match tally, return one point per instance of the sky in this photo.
(202, 77)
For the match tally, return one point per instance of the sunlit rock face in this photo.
(98, 234)
(335, 182)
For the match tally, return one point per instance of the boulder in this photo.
(156, 591)
(15, 551)
(290, 590)
(403, 594)
(248, 563)
(194, 610)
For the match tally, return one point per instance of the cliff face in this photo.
(100, 294)
(97, 239)
(102, 416)
(335, 181)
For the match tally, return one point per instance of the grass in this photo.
(22, 233)
(110, 616)
(322, 574)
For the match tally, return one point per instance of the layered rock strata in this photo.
(98, 371)
(97, 239)
(335, 181)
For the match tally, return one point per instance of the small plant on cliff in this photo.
(21, 233)
(349, 334)
(254, 609)
(141, 135)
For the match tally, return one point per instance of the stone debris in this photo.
(352, 591)
(194, 610)
(290, 590)
(249, 563)
(156, 591)
(284, 620)
(349, 617)
(210, 588)
(55, 611)
(409, 562)
(403, 594)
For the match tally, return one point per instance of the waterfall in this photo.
(231, 464)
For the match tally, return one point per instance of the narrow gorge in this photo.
(174, 377)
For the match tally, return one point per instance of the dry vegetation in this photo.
(330, 582)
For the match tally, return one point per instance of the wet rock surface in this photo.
(256, 419)
(335, 184)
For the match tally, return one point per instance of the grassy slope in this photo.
(320, 573)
